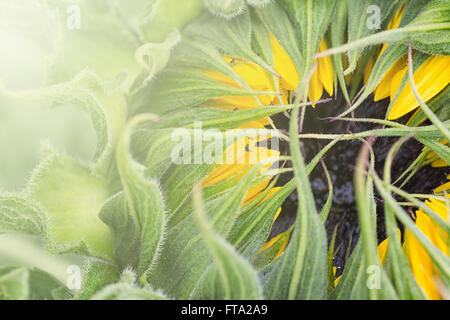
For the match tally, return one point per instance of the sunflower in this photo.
(429, 79)
(424, 271)
(259, 79)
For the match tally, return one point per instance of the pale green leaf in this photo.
(14, 283)
(127, 289)
(95, 276)
(437, 105)
(376, 281)
(365, 17)
(154, 57)
(185, 87)
(301, 273)
(124, 231)
(252, 227)
(72, 198)
(231, 38)
(312, 18)
(402, 276)
(230, 277)
(429, 31)
(20, 214)
(42, 285)
(144, 201)
(155, 24)
(186, 255)
(218, 118)
(100, 42)
(338, 27)
(277, 21)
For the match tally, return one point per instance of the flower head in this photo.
(279, 89)
(423, 268)
(429, 79)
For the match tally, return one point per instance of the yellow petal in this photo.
(421, 263)
(257, 79)
(240, 102)
(277, 214)
(441, 163)
(253, 75)
(437, 163)
(258, 124)
(282, 248)
(255, 191)
(315, 87)
(430, 78)
(395, 21)
(221, 173)
(220, 77)
(397, 81)
(383, 89)
(267, 197)
(224, 171)
(325, 67)
(271, 242)
(437, 235)
(393, 24)
(382, 250)
(244, 156)
(336, 281)
(421, 266)
(284, 66)
(271, 193)
(444, 187)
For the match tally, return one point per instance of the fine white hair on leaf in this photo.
(128, 276)
(227, 9)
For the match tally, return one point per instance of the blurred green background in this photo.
(28, 36)
(25, 47)
(23, 60)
